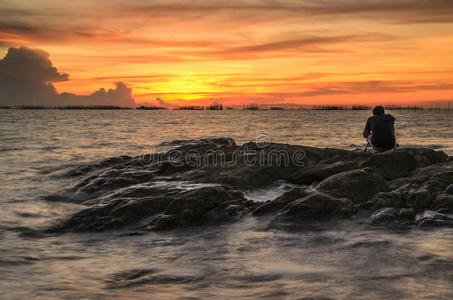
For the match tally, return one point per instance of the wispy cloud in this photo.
(391, 10)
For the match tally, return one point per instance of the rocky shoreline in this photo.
(204, 182)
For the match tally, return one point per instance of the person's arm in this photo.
(366, 133)
(367, 130)
(393, 126)
(394, 135)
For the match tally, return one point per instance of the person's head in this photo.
(378, 110)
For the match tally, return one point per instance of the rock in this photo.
(207, 205)
(426, 157)
(434, 219)
(109, 162)
(80, 170)
(443, 203)
(447, 175)
(387, 199)
(385, 215)
(316, 207)
(357, 185)
(280, 202)
(392, 215)
(212, 142)
(161, 222)
(391, 164)
(117, 213)
(435, 185)
(380, 200)
(106, 184)
(406, 215)
(200, 181)
(419, 199)
(321, 171)
(449, 190)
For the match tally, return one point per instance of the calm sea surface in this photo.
(243, 260)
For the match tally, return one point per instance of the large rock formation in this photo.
(357, 185)
(203, 182)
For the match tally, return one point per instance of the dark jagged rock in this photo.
(116, 213)
(379, 201)
(322, 171)
(419, 199)
(407, 215)
(216, 142)
(449, 190)
(316, 207)
(200, 182)
(434, 219)
(277, 204)
(208, 205)
(102, 184)
(426, 157)
(443, 203)
(392, 164)
(85, 169)
(385, 215)
(357, 185)
(387, 199)
(393, 215)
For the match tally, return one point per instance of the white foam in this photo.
(277, 189)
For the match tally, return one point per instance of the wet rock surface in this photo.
(434, 219)
(316, 207)
(357, 185)
(203, 183)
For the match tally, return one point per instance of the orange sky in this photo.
(237, 52)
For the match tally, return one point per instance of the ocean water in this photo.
(244, 260)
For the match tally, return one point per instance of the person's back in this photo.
(379, 130)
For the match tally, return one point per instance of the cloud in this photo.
(30, 64)
(121, 95)
(160, 103)
(26, 77)
(163, 103)
(308, 44)
(398, 11)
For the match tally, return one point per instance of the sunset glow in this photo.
(239, 52)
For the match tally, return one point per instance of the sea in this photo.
(244, 260)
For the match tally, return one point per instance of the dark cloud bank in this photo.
(26, 77)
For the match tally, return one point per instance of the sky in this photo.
(172, 53)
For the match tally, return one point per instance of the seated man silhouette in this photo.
(380, 131)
